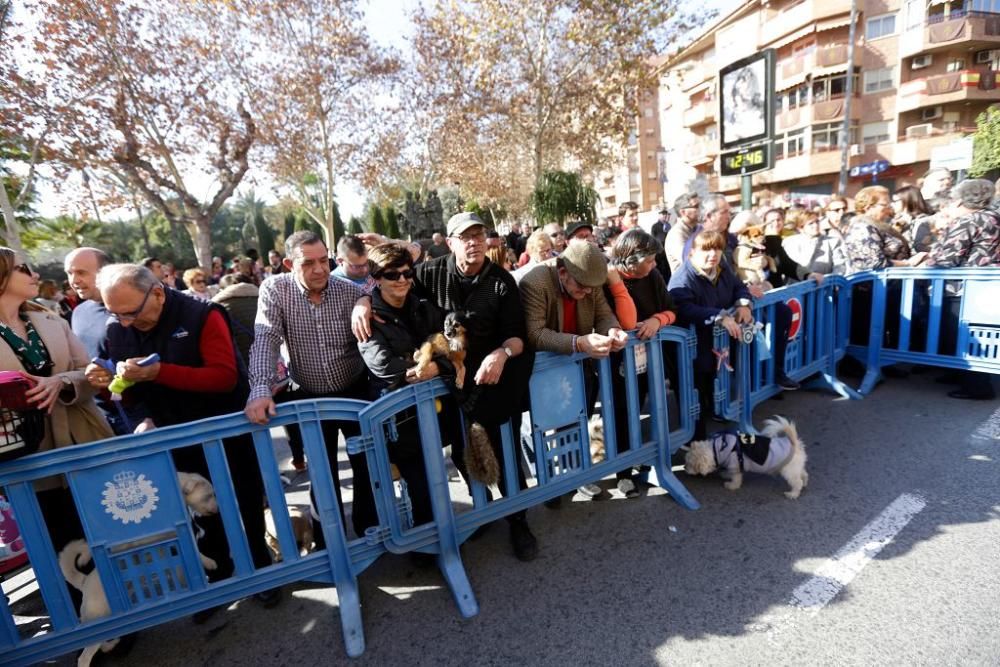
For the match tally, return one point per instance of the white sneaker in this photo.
(589, 490)
(627, 488)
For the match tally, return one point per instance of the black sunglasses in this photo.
(392, 275)
(25, 269)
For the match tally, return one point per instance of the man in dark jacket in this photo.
(200, 374)
(497, 365)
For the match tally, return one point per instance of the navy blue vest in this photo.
(176, 339)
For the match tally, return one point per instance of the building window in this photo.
(875, 133)
(797, 97)
(790, 143)
(827, 136)
(913, 14)
(990, 6)
(879, 79)
(881, 26)
(955, 65)
(832, 87)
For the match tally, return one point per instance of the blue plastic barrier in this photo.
(561, 447)
(138, 528)
(817, 341)
(925, 294)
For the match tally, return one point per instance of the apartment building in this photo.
(639, 177)
(923, 71)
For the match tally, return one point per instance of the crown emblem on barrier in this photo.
(129, 497)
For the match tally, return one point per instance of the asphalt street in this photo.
(645, 582)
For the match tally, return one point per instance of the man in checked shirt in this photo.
(310, 311)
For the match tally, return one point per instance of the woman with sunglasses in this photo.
(401, 322)
(40, 345)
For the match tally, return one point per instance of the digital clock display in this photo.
(746, 160)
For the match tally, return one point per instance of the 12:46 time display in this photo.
(746, 160)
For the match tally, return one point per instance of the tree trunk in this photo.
(12, 231)
(201, 235)
(146, 249)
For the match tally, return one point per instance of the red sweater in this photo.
(218, 370)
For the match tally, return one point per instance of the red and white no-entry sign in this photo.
(796, 307)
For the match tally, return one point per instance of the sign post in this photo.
(746, 119)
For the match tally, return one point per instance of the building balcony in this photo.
(699, 72)
(824, 60)
(972, 31)
(701, 151)
(701, 114)
(919, 141)
(825, 111)
(806, 163)
(963, 86)
(781, 24)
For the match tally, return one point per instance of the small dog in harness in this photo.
(777, 451)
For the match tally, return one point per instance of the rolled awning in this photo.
(820, 72)
(791, 82)
(788, 39)
(830, 24)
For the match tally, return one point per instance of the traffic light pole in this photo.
(746, 192)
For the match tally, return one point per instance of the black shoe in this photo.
(268, 599)
(969, 396)
(524, 543)
(787, 383)
(200, 617)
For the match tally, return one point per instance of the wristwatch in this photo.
(745, 302)
(509, 352)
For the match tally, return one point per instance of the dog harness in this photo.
(745, 452)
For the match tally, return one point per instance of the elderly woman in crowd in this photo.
(706, 293)
(39, 345)
(198, 286)
(912, 217)
(634, 257)
(538, 248)
(812, 252)
(972, 239)
(401, 324)
(871, 241)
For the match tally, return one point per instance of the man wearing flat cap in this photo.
(486, 299)
(581, 230)
(564, 306)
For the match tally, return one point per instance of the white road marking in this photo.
(844, 566)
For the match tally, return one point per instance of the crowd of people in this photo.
(305, 325)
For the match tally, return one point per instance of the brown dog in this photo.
(450, 344)
(752, 260)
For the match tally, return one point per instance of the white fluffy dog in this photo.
(199, 495)
(778, 450)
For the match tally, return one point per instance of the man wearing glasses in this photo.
(558, 236)
(352, 263)
(835, 229)
(687, 206)
(497, 365)
(199, 374)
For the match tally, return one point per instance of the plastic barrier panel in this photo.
(816, 340)
(935, 317)
(559, 438)
(139, 530)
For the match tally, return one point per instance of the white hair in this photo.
(135, 276)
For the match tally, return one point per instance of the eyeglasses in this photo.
(392, 275)
(477, 237)
(356, 267)
(556, 235)
(25, 269)
(135, 313)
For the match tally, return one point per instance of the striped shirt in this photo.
(323, 352)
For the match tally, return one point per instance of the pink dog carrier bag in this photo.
(22, 428)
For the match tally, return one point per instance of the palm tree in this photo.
(65, 231)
